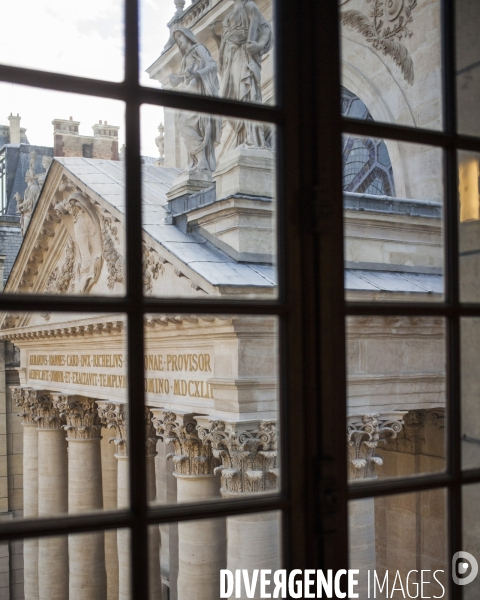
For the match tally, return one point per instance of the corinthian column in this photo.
(110, 502)
(364, 433)
(202, 543)
(25, 400)
(114, 416)
(52, 497)
(248, 452)
(87, 550)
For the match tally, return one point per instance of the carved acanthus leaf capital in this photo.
(364, 433)
(248, 455)
(190, 455)
(48, 414)
(24, 399)
(114, 416)
(81, 416)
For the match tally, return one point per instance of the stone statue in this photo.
(246, 37)
(46, 162)
(160, 143)
(26, 205)
(198, 75)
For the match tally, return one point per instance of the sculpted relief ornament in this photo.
(386, 24)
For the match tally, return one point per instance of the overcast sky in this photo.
(77, 37)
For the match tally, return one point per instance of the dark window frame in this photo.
(310, 306)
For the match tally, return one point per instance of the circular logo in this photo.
(462, 563)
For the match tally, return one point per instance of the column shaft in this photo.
(254, 543)
(30, 507)
(109, 485)
(52, 500)
(88, 579)
(154, 575)
(123, 535)
(202, 543)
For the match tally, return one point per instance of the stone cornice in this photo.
(190, 456)
(399, 326)
(54, 331)
(249, 456)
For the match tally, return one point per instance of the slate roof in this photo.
(106, 178)
(10, 242)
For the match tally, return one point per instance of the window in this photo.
(295, 131)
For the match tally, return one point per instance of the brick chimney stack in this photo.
(15, 136)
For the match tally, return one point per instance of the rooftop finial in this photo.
(180, 4)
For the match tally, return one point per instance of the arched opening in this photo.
(367, 167)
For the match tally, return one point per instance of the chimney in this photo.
(14, 129)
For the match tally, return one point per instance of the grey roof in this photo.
(393, 281)
(107, 179)
(10, 242)
(387, 204)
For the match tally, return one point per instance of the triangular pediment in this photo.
(75, 241)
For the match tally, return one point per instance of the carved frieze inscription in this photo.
(169, 374)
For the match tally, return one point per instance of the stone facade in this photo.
(68, 142)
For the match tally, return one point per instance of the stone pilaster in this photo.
(87, 576)
(24, 399)
(52, 496)
(248, 452)
(364, 434)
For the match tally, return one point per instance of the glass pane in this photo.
(221, 49)
(83, 565)
(78, 37)
(467, 14)
(209, 202)
(393, 214)
(396, 396)
(212, 414)
(62, 190)
(199, 559)
(470, 381)
(60, 372)
(469, 228)
(400, 545)
(466, 566)
(391, 61)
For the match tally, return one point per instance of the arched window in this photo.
(366, 163)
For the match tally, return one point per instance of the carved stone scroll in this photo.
(80, 413)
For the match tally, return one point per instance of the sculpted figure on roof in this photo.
(26, 204)
(245, 38)
(198, 75)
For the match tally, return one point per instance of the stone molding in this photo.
(81, 415)
(364, 433)
(190, 456)
(54, 332)
(249, 456)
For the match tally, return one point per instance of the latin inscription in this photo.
(175, 377)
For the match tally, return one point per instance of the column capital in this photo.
(80, 413)
(114, 415)
(248, 452)
(364, 433)
(190, 456)
(48, 414)
(24, 399)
